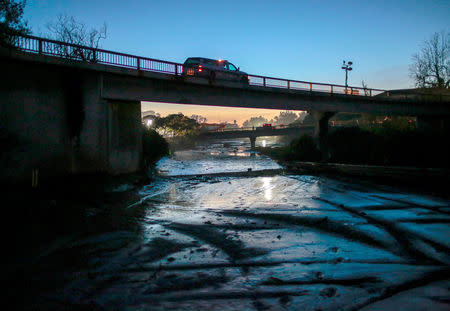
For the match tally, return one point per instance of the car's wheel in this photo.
(244, 81)
(212, 77)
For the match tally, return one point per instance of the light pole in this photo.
(347, 67)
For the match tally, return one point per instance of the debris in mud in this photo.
(170, 259)
(285, 300)
(260, 306)
(337, 260)
(275, 281)
(328, 292)
(334, 249)
(319, 275)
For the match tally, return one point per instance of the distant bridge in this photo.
(252, 134)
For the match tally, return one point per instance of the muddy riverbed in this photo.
(277, 241)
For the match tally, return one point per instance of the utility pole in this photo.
(347, 67)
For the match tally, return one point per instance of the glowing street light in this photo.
(347, 67)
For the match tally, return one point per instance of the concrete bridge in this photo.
(253, 134)
(73, 109)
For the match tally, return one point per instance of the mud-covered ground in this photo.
(267, 242)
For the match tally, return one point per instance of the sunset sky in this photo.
(213, 114)
(301, 40)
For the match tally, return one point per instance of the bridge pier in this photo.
(252, 142)
(124, 137)
(321, 119)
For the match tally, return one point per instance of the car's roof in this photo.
(204, 58)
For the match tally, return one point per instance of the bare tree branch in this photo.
(67, 29)
(431, 66)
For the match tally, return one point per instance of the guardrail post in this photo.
(351, 91)
(331, 89)
(264, 82)
(370, 92)
(176, 70)
(94, 55)
(138, 63)
(40, 46)
(289, 84)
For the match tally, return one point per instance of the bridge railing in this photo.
(312, 86)
(66, 50)
(87, 54)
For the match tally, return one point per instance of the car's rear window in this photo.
(192, 61)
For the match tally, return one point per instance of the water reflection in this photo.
(212, 157)
(267, 188)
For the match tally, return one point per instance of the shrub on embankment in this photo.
(154, 146)
(389, 146)
(303, 148)
(381, 146)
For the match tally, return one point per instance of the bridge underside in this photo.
(199, 92)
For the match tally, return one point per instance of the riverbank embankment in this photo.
(431, 180)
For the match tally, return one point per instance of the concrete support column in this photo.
(253, 142)
(321, 119)
(124, 137)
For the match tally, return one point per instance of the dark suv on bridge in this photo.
(213, 70)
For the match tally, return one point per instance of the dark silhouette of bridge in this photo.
(252, 134)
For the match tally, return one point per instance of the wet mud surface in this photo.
(278, 242)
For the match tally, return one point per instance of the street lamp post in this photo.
(347, 67)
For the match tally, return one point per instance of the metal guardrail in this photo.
(50, 47)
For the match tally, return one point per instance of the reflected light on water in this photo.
(267, 188)
(239, 154)
(264, 143)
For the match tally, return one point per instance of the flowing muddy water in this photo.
(271, 242)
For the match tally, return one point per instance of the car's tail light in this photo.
(200, 68)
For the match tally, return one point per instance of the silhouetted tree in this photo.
(199, 118)
(176, 124)
(11, 22)
(67, 29)
(254, 121)
(431, 66)
(285, 118)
